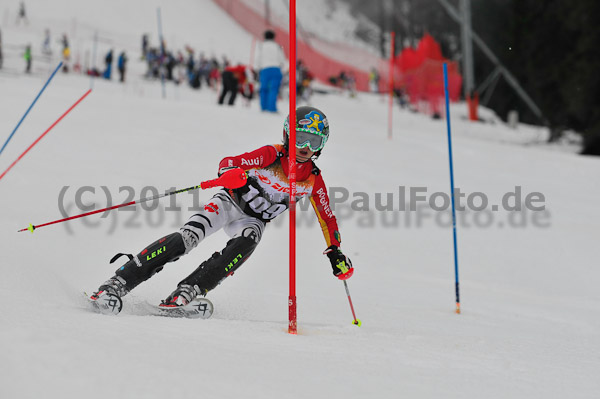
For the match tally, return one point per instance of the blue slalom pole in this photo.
(31, 106)
(452, 187)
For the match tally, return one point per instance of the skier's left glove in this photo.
(341, 264)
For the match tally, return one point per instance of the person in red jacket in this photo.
(243, 214)
(233, 79)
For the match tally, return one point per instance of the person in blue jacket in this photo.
(108, 61)
(121, 62)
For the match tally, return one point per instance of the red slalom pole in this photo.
(233, 178)
(43, 134)
(391, 102)
(293, 323)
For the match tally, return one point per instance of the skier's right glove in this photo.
(235, 176)
(225, 169)
(341, 264)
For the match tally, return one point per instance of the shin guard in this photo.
(151, 260)
(221, 265)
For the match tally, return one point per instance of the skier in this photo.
(243, 214)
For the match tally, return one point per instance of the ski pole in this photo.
(355, 321)
(30, 107)
(233, 178)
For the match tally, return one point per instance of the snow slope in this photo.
(529, 281)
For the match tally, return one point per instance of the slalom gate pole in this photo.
(43, 134)
(31, 106)
(391, 101)
(356, 321)
(95, 47)
(162, 52)
(230, 179)
(293, 322)
(252, 50)
(452, 188)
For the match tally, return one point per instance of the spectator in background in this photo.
(108, 62)
(22, 14)
(46, 44)
(213, 73)
(27, 57)
(234, 78)
(144, 45)
(121, 63)
(351, 84)
(66, 53)
(270, 60)
(374, 81)
(190, 65)
(303, 80)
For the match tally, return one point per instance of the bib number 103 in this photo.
(261, 205)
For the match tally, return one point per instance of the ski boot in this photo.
(107, 300)
(185, 302)
(183, 295)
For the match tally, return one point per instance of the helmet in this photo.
(312, 129)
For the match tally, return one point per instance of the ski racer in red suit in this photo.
(243, 214)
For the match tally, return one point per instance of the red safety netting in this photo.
(321, 66)
(420, 75)
(417, 72)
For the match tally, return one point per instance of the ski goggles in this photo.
(311, 139)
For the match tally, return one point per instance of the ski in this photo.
(110, 304)
(198, 308)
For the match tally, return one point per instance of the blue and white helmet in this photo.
(312, 129)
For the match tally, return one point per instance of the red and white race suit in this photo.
(267, 193)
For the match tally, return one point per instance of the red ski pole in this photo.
(233, 178)
(356, 321)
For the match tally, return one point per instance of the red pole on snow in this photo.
(43, 134)
(391, 102)
(293, 323)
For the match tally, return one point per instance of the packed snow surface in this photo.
(529, 280)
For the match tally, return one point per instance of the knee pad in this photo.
(221, 265)
(151, 260)
(190, 239)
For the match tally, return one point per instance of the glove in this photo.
(232, 177)
(341, 264)
(225, 169)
